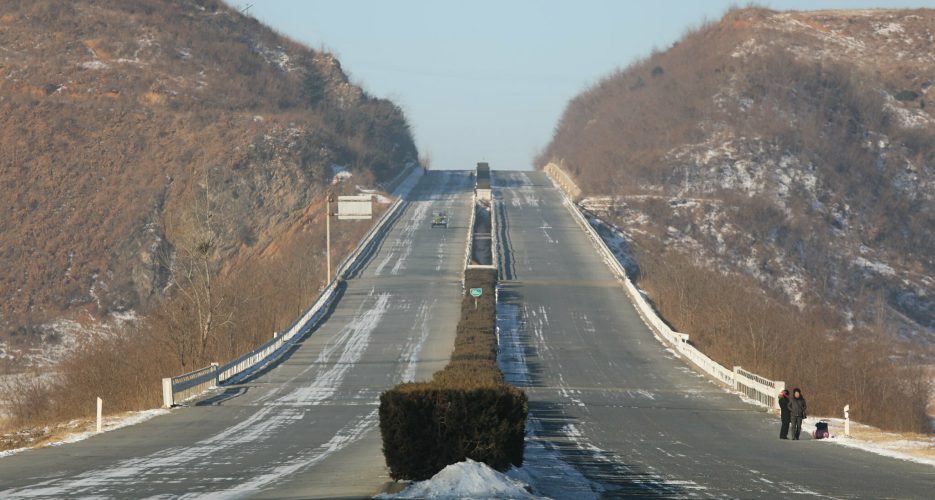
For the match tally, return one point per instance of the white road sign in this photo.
(355, 207)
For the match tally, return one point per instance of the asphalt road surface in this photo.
(614, 413)
(307, 427)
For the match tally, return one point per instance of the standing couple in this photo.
(791, 410)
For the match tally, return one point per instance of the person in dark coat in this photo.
(797, 412)
(784, 414)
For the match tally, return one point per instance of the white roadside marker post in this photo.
(100, 406)
(847, 420)
(167, 396)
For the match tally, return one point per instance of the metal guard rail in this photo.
(755, 387)
(190, 384)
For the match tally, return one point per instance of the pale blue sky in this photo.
(487, 80)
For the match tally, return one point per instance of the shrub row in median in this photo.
(466, 410)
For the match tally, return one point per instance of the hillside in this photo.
(773, 176)
(124, 123)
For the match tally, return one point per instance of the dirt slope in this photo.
(793, 148)
(118, 119)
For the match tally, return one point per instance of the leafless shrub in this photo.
(734, 321)
(629, 135)
(262, 296)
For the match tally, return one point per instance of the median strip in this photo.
(467, 410)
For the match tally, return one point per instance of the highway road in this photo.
(307, 427)
(614, 413)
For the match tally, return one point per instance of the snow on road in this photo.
(523, 194)
(402, 243)
(279, 409)
(238, 441)
(401, 246)
(352, 342)
(543, 467)
(903, 449)
(348, 434)
(413, 349)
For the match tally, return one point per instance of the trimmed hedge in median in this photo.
(466, 411)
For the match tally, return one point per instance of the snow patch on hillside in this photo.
(909, 118)
(93, 65)
(877, 267)
(275, 57)
(54, 340)
(377, 196)
(887, 29)
(339, 173)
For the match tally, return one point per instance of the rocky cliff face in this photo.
(124, 124)
(794, 147)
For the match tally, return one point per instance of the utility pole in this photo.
(328, 201)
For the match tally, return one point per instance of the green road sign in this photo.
(476, 292)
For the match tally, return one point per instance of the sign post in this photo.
(476, 292)
(328, 236)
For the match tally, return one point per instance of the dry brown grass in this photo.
(180, 136)
(16, 437)
(262, 295)
(71, 431)
(645, 129)
(94, 160)
(732, 320)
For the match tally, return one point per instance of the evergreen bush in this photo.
(466, 410)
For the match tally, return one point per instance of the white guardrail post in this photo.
(167, 400)
(179, 388)
(494, 254)
(100, 411)
(758, 389)
(847, 420)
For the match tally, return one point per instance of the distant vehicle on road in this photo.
(440, 219)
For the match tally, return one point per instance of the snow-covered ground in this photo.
(56, 339)
(376, 195)
(468, 479)
(339, 174)
(919, 449)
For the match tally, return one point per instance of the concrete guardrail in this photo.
(185, 386)
(563, 180)
(755, 387)
(469, 244)
(494, 238)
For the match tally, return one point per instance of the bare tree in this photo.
(199, 310)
